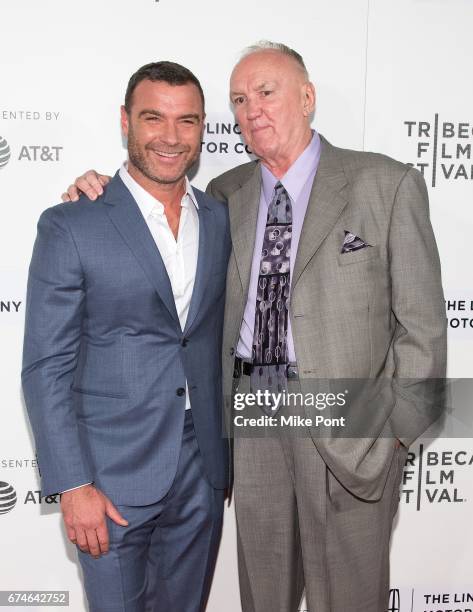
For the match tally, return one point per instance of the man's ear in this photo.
(124, 121)
(309, 98)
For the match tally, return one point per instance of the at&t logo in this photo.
(7, 497)
(4, 152)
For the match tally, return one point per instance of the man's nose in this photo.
(169, 133)
(253, 108)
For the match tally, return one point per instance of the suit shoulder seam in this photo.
(401, 180)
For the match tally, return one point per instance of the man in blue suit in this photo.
(122, 368)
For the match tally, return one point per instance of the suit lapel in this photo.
(325, 206)
(128, 220)
(243, 209)
(204, 259)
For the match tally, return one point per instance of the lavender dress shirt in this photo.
(298, 183)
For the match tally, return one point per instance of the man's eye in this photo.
(238, 100)
(266, 92)
(151, 118)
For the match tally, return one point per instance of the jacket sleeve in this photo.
(420, 347)
(54, 315)
(215, 192)
(209, 189)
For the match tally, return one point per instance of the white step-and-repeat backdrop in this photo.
(393, 77)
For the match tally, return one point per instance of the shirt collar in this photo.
(148, 203)
(298, 174)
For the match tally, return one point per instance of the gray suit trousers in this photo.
(298, 527)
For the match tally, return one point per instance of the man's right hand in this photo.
(91, 183)
(84, 511)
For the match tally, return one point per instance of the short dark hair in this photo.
(168, 72)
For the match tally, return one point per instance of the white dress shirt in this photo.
(179, 256)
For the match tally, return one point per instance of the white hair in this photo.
(264, 45)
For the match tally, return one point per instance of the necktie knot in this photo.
(278, 189)
(280, 209)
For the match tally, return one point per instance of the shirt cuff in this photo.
(74, 488)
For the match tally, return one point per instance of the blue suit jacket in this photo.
(105, 359)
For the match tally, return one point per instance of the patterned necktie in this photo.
(270, 349)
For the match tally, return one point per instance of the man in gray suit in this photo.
(366, 303)
(334, 276)
(122, 360)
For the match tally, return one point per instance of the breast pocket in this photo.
(368, 253)
(100, 371)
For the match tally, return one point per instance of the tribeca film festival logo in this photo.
(30, 153)
(443, 149)
(430, 477)
(9, 498)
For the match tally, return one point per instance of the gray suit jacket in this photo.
(376, 313)
(105, 361)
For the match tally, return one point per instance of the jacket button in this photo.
(232, 351)
(184, 342)
(180, 391)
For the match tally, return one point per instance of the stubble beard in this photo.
(138, 159)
